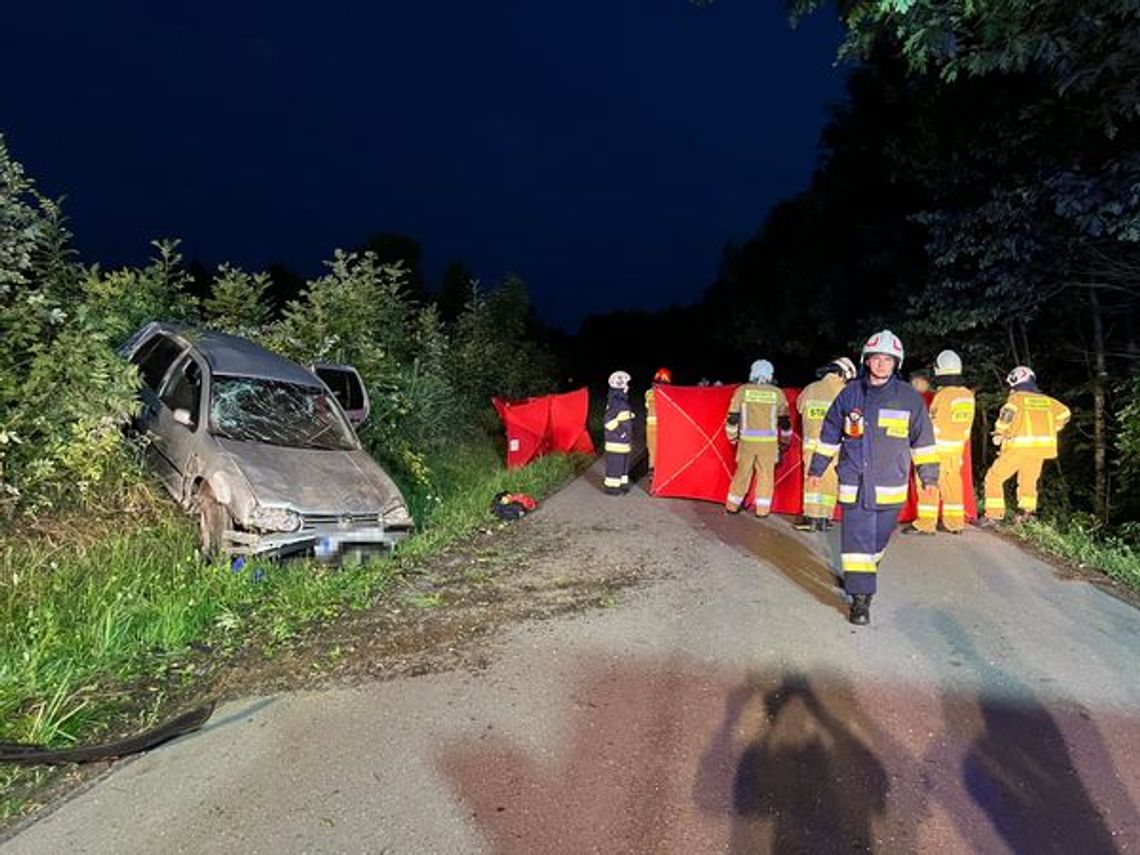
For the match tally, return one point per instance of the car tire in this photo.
(213, 522)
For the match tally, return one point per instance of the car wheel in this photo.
(213, 521)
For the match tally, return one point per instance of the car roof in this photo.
(239, 357)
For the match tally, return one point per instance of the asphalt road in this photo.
(724, 706)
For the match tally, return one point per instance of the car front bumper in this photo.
(325, 544)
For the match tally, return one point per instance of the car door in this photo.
(178, 423)
(154, 357)
(348, 389)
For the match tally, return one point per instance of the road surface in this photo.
(720, 704)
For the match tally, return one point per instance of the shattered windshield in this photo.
(278, 413)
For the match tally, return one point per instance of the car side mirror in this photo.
(182, 416)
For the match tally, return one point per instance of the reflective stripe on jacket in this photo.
(877, 431)
(1030, 421)
(952, 414)
(617, 424)
(759, 407)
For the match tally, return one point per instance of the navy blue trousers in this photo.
(863, 539)
(617, 470)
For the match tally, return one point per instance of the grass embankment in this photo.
(1084, 544)
(98, 610)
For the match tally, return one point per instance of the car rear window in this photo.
(154, 359)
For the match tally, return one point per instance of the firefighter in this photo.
(619, 434)
(1026, 432)
(759, 425)
(813, 404)
(952, 414)
(663, 375)
(878, 426)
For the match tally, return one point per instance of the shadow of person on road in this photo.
(806, 781)
(1018, 768)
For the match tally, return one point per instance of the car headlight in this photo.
(275, 519)
(396, 516)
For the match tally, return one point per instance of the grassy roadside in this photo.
(1082, 543)
(102, 620)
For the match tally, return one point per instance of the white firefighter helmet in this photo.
(887, 343)
(846, 367)
(1021, 374)
(947, 362)
(620, 380)
(761, 371)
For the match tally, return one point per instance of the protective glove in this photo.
(732, 432)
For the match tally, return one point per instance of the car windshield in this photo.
(278, 413)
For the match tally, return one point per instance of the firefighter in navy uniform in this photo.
(878, 426)
(663, 377)
(618, 434)
(758, 422)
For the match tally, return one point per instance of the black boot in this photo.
(860, 609)
(805, 524)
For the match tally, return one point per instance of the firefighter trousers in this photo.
(1026, 465)
(617, 470)
(651, 441)
(821, 505)
(862, 540)
(949, 493)
(759, 459)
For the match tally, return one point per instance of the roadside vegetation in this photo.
(106, 608)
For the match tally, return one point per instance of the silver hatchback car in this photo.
(260, 448)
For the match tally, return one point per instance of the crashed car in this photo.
(260, 448)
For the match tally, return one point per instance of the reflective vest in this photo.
(618, 427)
(650, 407)
(877, 431)
(758, 407)
(952, 413)
(1029, 421)
(813, 403)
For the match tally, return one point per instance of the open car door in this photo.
(348, 389)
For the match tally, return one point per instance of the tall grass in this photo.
(82, 621)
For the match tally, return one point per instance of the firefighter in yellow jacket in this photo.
(952, 413)
(1026, 433)
(758, 423)
(663, 375)
(812, 405)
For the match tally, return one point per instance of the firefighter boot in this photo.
(860, 609)
(804, 524)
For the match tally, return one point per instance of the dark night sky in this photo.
(603, 149)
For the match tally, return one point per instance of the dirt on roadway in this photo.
(634, 675)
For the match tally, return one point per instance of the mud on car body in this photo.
(260, 448)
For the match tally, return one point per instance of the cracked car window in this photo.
(278, 413)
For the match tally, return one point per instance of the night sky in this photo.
(604, 150)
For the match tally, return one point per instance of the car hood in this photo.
(311, 480)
